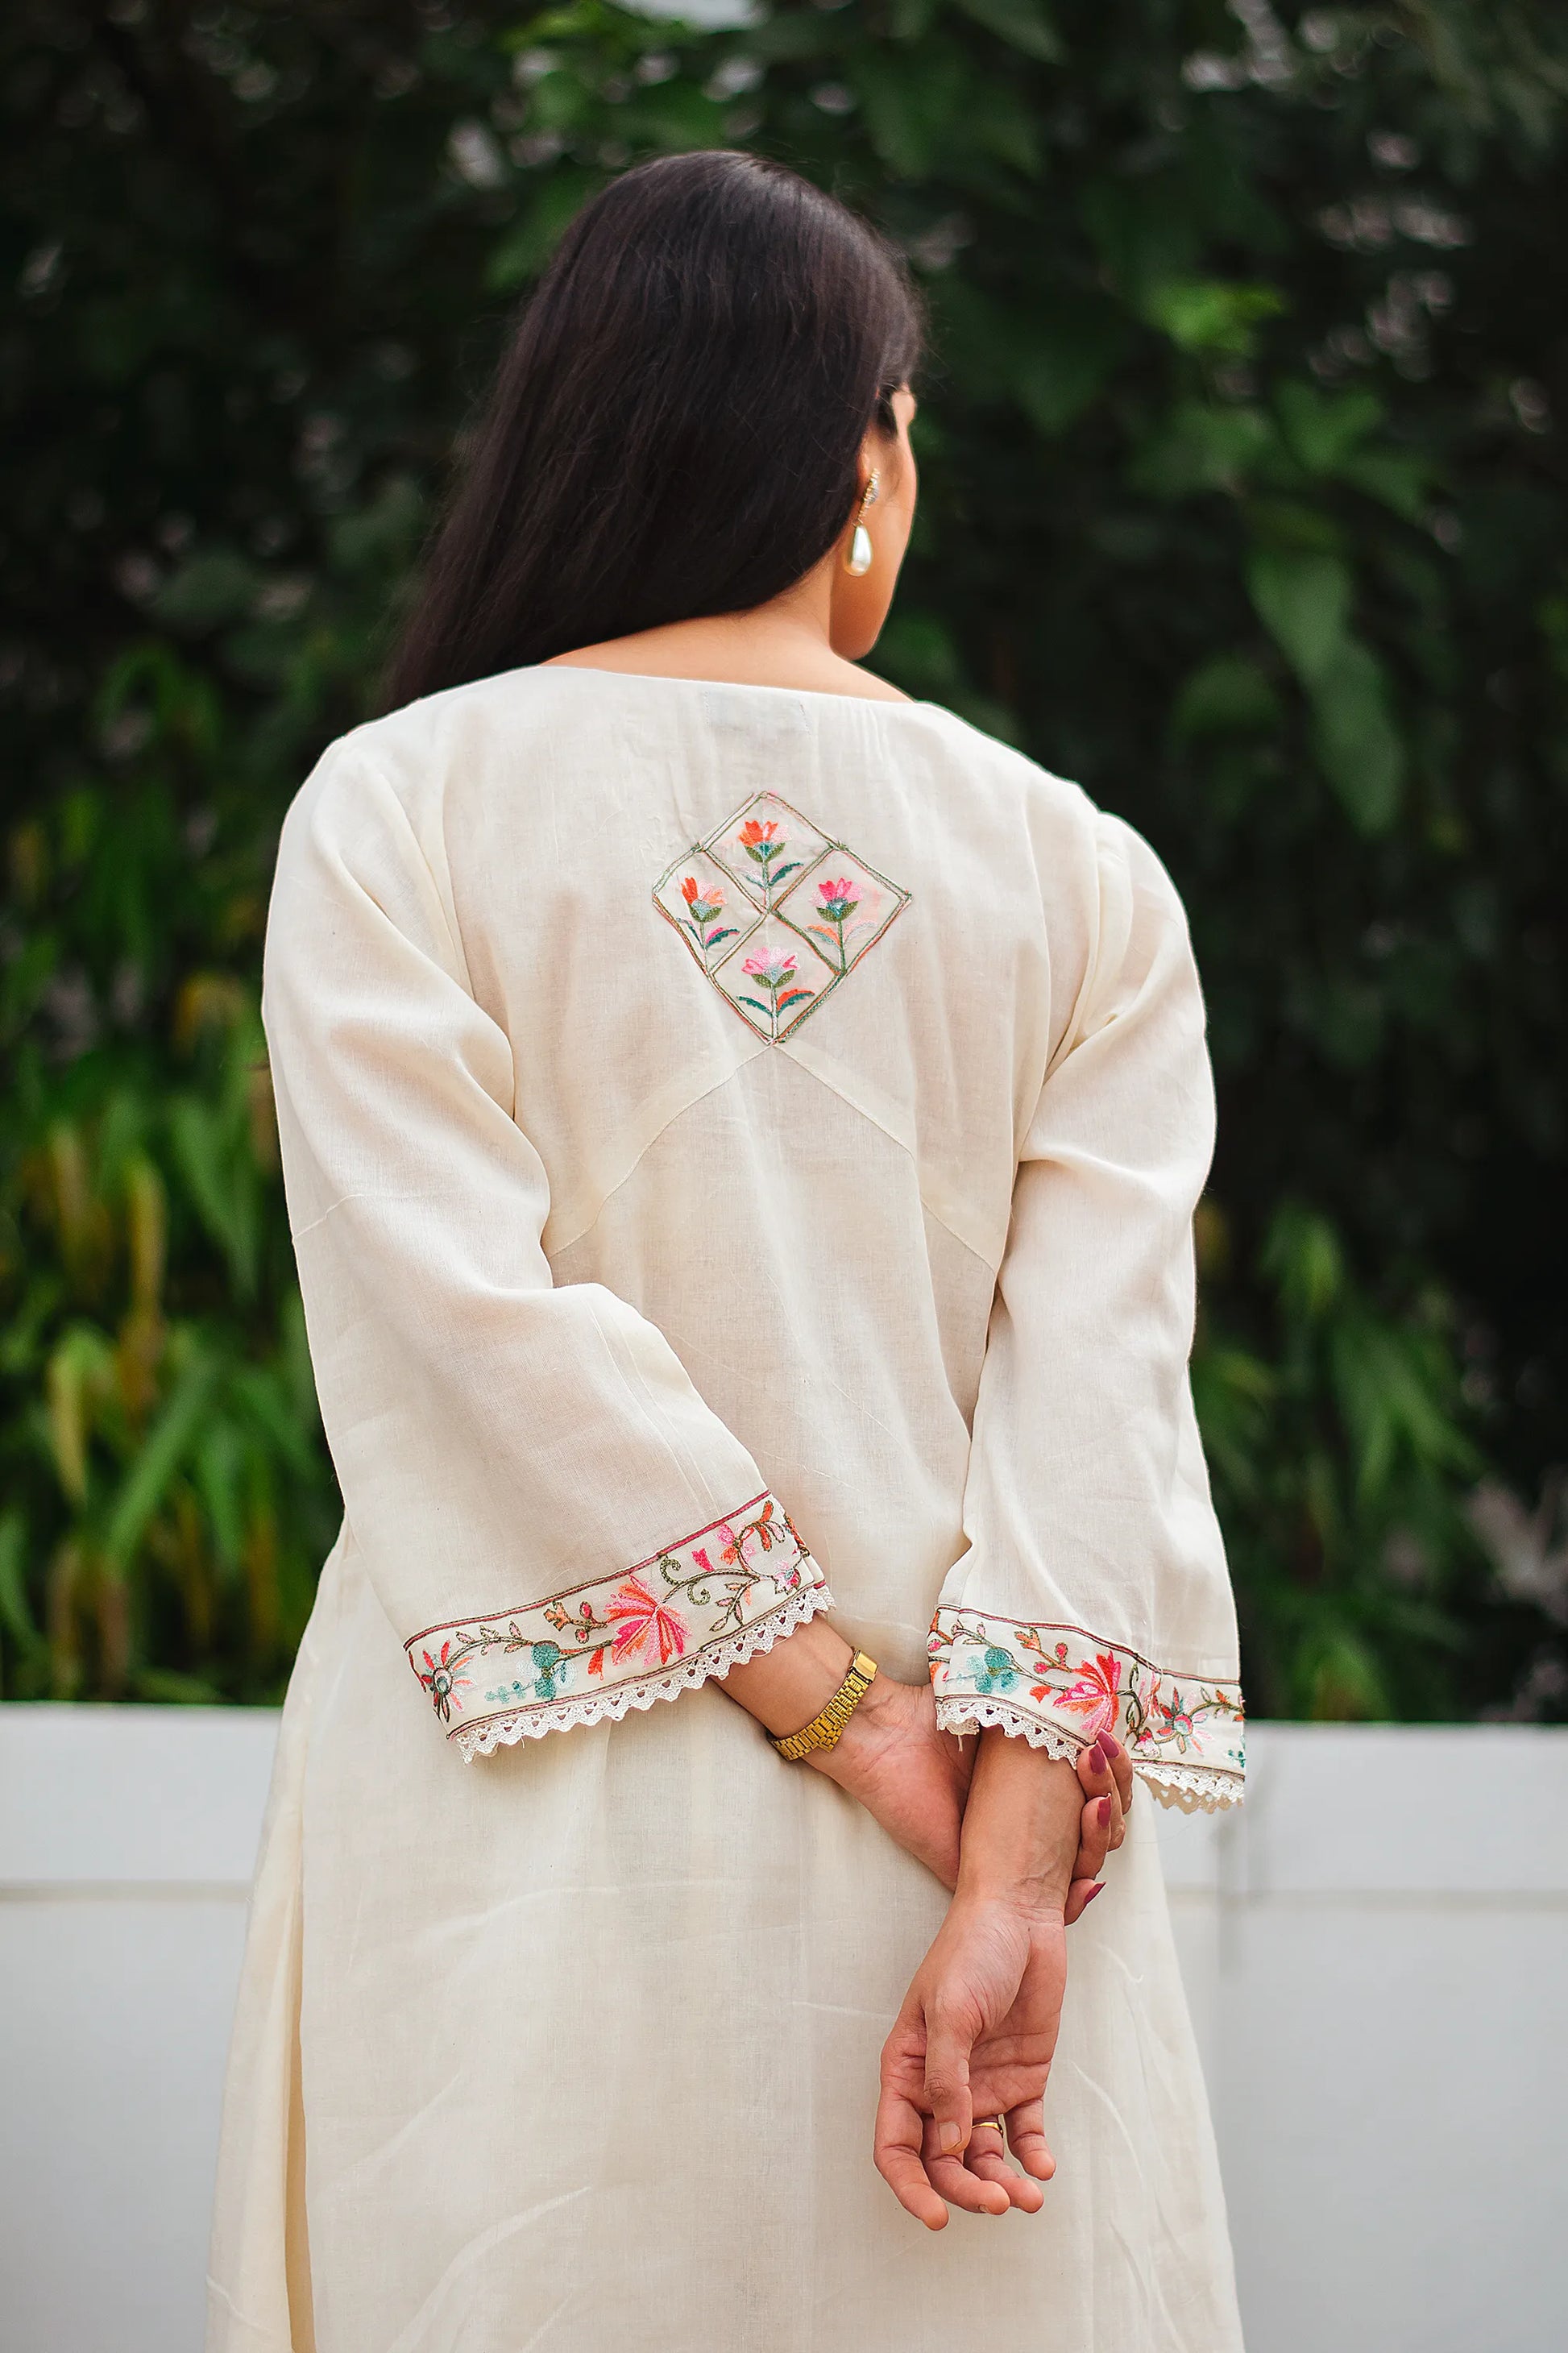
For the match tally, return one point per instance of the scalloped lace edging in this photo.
(972, 1715)
(1194, 1789)
(598, 1707)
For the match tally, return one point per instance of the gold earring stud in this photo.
(858, 554)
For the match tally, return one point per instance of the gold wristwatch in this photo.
(823, 1731)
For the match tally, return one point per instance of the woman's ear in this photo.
(870, 547)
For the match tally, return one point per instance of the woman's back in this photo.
(741, 1143)
(780, 977)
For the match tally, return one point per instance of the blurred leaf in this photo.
(162, 1451)
(1227, 696)
(16, 1615)
(1393, 478)
(1063, 358)
(1206, 315)
(212, 589)
(1304, 601)
(1198, 447)
(1361, 749)
(1323, 428)
(1304, 1257)
(1024, 24)
(524, 250)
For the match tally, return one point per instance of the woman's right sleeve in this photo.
(557, 1527)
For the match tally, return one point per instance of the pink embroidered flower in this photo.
(1095, 1694)
(643, 1621)
(773, 970)
(840, 897)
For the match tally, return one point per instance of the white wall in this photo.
(1377, 1950)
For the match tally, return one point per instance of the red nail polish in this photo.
(1105, 1814)
(1097, 1889)
(1111, 1747)
(1097, 1759)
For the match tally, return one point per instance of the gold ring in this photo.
(991, 2124)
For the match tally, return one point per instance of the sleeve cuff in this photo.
(695, 1609)
(1060, 1688)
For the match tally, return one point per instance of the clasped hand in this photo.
(1021, 1839)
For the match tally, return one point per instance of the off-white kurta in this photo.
(741, 1148)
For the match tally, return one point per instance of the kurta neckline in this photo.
(737, 686)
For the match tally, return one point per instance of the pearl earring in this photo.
(857, 556)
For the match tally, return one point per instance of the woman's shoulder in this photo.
(1064, 825)
(421, 742)
(403, 768)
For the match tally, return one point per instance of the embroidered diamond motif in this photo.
(774, 913)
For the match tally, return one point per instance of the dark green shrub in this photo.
(1244, 504)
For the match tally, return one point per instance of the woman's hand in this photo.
(1104, 1775)
(891, 1758)
(978, 2031)
(975, 2037)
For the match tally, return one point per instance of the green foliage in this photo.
(1243, 502)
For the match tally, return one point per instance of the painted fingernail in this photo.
(1105, 1814)
(950, 2136)
(1111, 1747)
(1097, 1759)
(1097, 1889)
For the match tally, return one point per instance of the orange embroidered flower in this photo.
(753, 833)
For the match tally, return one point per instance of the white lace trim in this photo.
(973, 1714)
(1194, 1788)
(598, 1707)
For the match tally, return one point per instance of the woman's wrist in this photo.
(880, 1714)
(786, 1686)
(1021, 1829)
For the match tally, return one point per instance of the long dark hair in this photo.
(674, 429)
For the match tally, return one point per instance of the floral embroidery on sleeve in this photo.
(775, 914)
(1060, 1688)
(692, 1610)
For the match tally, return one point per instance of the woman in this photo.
(741, 1131)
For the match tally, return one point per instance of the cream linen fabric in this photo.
(742, 1148)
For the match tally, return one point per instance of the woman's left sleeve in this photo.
(1093, 1596)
